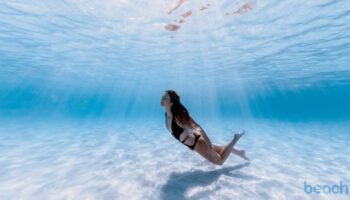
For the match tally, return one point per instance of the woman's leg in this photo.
(218, 148)
(240, 153)
(228, 148)
(211, 155)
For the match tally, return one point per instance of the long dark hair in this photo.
(177, 109)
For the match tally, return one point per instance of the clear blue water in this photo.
(81, 82)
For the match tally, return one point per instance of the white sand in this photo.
(144, 162)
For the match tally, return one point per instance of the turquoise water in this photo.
(81, 82)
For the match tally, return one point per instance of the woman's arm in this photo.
(188, 129)
(167, 122)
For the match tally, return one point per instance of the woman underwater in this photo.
(187, 131)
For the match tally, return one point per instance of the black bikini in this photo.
(177, 130)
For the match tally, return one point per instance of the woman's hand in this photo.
(186, 134)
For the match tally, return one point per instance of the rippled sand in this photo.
(132, 161)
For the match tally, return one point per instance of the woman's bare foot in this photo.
(238, 135)
(241, 153)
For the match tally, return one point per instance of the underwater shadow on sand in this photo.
(178, 183)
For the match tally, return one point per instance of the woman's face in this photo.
(165, 100)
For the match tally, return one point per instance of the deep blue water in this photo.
(113, 60)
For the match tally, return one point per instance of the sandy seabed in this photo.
(144, 162)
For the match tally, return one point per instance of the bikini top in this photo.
(176, 129)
